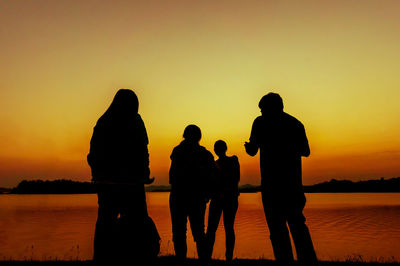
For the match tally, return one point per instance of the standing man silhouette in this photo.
(190, 174)
(282, 141)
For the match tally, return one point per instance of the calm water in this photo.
(342, 226)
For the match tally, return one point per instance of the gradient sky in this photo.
(335, 63)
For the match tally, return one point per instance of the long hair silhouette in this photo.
(125, 105)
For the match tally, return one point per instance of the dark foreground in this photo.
(167, 261)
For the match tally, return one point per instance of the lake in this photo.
(342, 225)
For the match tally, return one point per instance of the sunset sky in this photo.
(336, 65)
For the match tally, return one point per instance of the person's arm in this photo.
(96, 155)
(236, 170)
(253, 146)
(210, 179)
(172, 169)
(90, 156)
(147, 179)
(146, 163)
(304, 147)
(143, 141)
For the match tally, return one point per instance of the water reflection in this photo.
(342, 225)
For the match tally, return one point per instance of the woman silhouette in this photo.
(119, 161)
(225, 199)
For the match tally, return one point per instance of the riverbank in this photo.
(168, 260)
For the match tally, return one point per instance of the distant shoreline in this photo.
(62, 186)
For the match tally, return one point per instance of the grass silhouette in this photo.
(170, 260)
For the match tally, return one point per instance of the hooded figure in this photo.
(118, 148)
(119, 161)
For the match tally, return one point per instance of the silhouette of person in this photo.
(282, 141)
(119, 162)
(225, 199)
(191, 171)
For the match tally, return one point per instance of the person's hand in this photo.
(251, 149)
(247, 146)
(148, 181)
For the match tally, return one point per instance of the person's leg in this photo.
(179, 223)
(229, 210)
(106, 219)
(196, 218)
(301, 237)
(133, 214)
(214, 215)
(279, 233)
(140, 199)
(133, 202)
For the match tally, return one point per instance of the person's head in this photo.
(192, 133)
(271, 104)
(123, 108)
(125, 100)
(220, 148)
(124, 105)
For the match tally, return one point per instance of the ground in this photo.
(167, 261)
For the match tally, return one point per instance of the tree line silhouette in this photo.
(64, 186)
(60, 186)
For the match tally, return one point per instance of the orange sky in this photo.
(335, 63)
